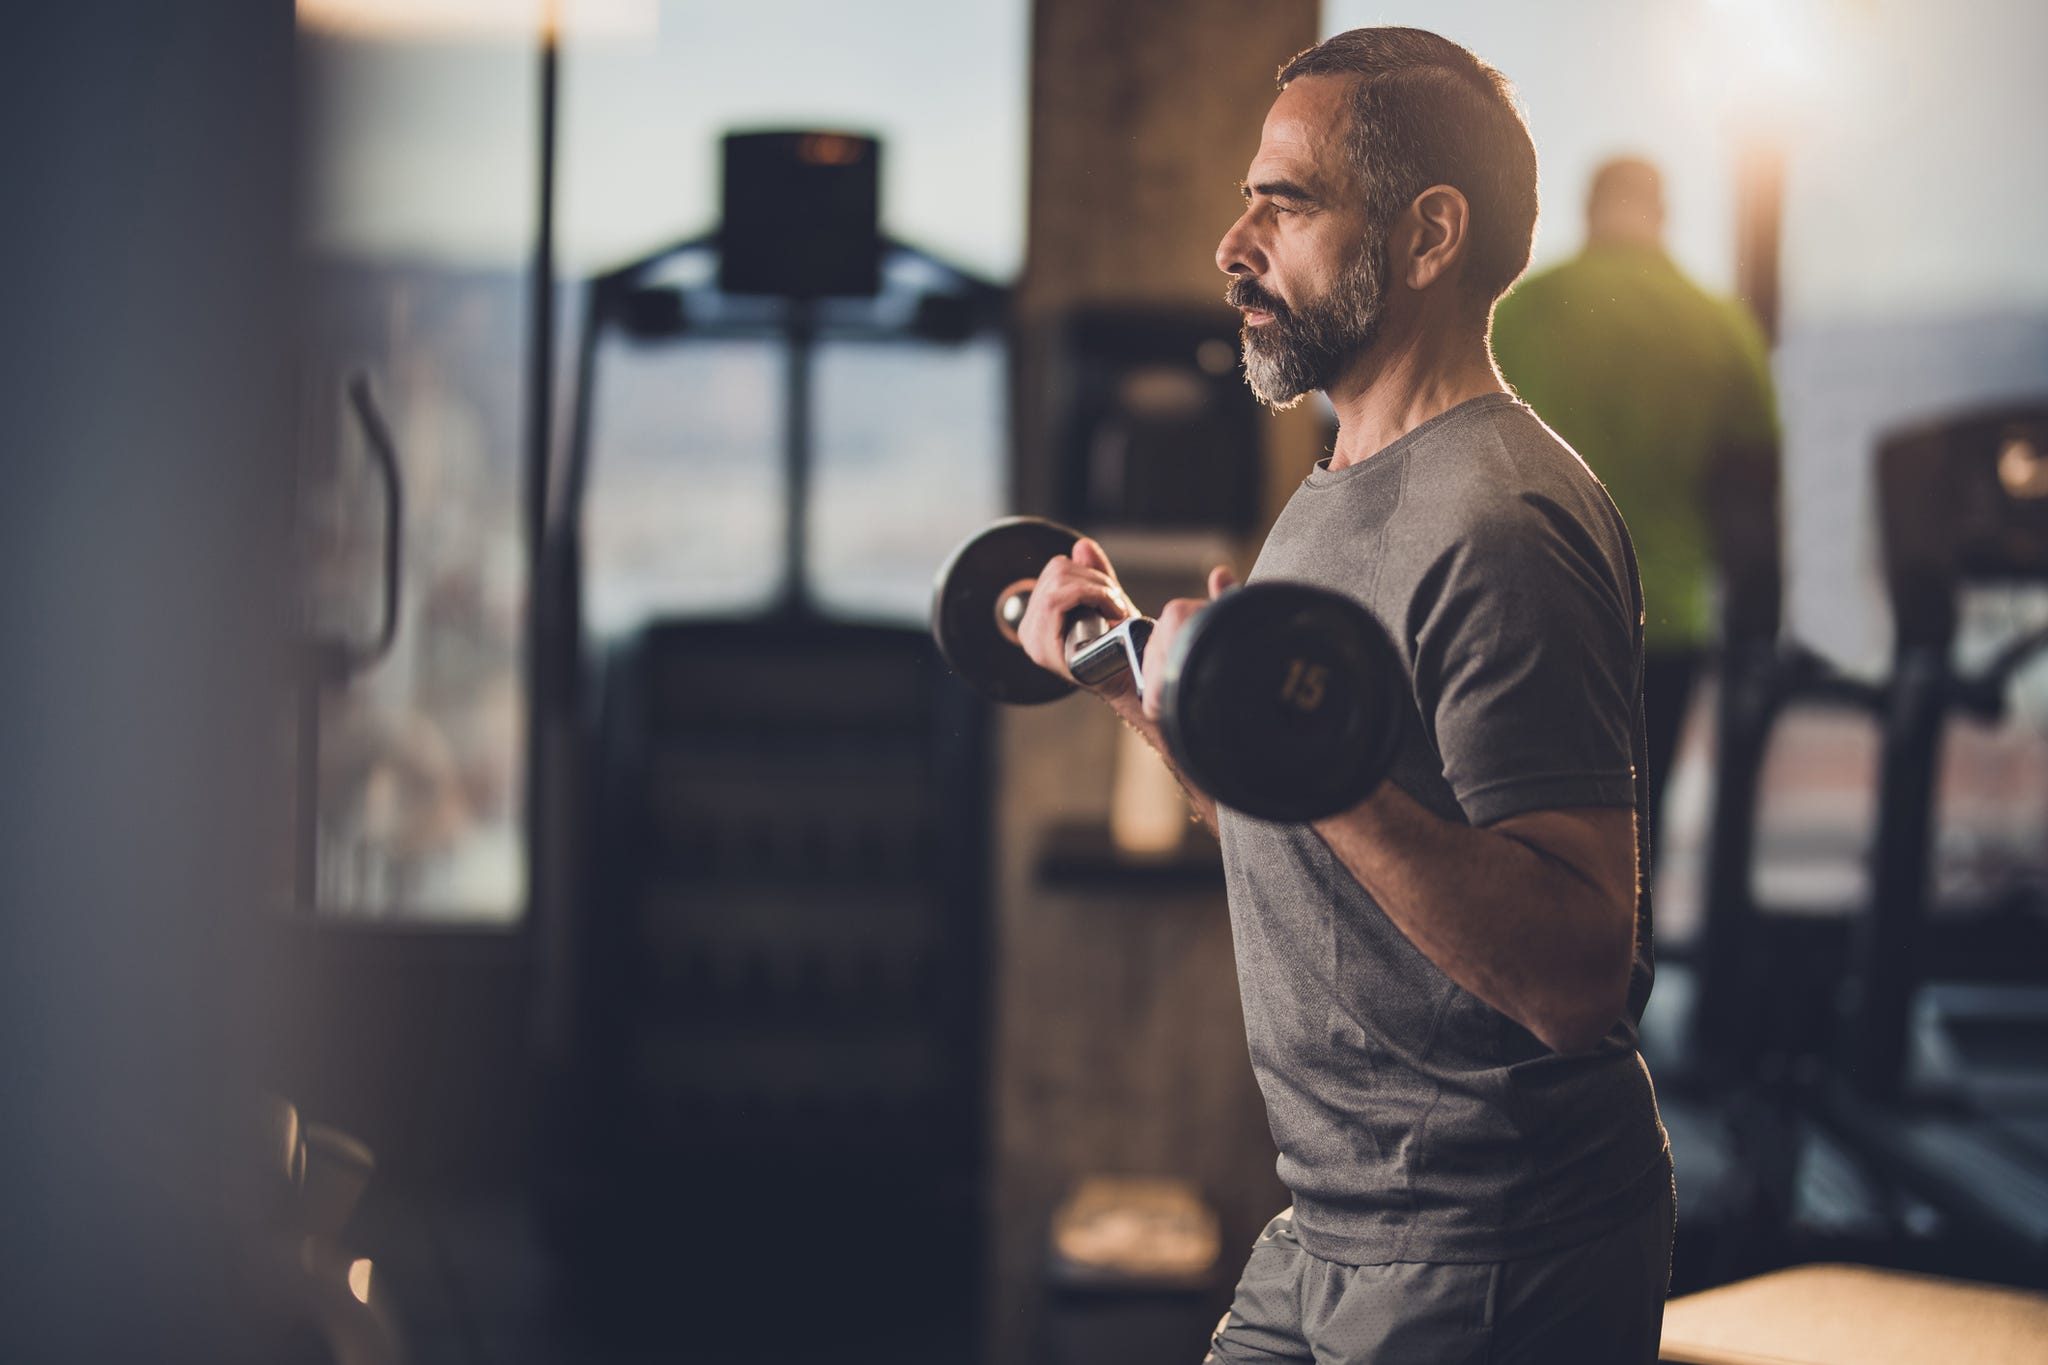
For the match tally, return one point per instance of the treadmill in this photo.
(1940, 1078)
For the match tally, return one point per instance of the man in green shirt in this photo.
(1665, 391)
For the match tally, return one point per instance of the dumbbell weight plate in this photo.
(966, 598)
(1283, 701)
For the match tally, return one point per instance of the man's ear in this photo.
(1441, 223)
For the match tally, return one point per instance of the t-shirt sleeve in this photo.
(1525, 667)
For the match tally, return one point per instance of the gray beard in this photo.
(1306, 349)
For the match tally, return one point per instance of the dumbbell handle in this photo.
(1097, 651)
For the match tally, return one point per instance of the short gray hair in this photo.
(1424, 112)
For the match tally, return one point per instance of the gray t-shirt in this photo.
(1415, 1122)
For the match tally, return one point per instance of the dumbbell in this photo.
(1281, 700)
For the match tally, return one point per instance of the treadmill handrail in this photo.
(340, 660)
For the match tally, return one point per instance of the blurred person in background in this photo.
(1665, 390)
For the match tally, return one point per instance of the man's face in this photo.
(1305, 267)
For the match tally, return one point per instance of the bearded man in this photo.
(1442, 985)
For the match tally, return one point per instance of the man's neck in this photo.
(1403, 382)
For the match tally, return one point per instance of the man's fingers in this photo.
(1072, 586)
(1066, 586)
(1221, 580)
(1170, 621)
(1085, 580)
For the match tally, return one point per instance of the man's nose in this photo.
(1238, 253)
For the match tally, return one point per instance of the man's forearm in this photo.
(1132, 712)
(1512, 922)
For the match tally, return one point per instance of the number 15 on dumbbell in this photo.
(1280, 700)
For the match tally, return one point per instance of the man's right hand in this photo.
(1082, 581)
(1173, 617)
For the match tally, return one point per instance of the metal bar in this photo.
(542, 630)
(384, 453)
(802, 335)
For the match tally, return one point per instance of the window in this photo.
(421, 186)
(687, 480)
(419, 216)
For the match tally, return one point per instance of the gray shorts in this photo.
(1599, 1302)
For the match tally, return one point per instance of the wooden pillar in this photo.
(1119, 1041)
(1144, 116)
